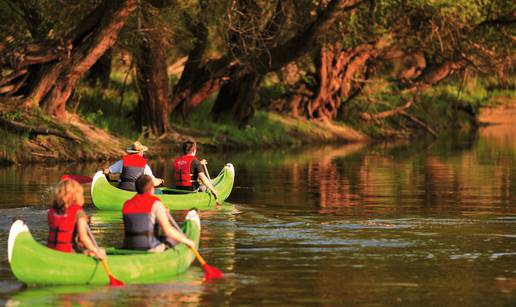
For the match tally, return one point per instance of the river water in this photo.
(430, 223)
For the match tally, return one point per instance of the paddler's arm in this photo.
(168, 229)
(155, 181)
(116, 168)
(82, 224)
(207, 183)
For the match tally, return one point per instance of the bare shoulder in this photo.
(158, 206)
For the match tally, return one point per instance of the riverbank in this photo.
(31, 137)
(499, 124)
(99, 127)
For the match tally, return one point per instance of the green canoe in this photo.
(108, 197)
(34, 264)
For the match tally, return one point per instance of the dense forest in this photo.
(368, 64)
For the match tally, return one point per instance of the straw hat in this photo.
(136, 147)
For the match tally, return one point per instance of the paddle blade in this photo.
(211, 272)
(115, 282)
(79, 178)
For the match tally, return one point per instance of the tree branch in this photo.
(22, 128)
(385, 114)
(302, 42)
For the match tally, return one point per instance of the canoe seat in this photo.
(119, 251)
(175, 191)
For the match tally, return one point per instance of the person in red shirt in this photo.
(145, 218)
(68, 223)
(189, 172)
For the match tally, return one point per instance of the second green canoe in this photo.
(108, 197)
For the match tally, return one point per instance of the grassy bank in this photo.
(31, 136)
(101, 123)
(451, 106)
(265, 129)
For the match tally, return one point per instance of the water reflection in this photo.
(436, 179)
(426, 223)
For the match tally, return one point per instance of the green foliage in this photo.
(41, 19)
(13, 116)
(440, 30)
(437, 107)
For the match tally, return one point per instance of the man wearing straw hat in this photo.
(132, 166)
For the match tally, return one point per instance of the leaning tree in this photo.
(434, 41)
(260, 38)
(44, 71)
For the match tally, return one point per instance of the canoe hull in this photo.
(34, 264)
(107, 197)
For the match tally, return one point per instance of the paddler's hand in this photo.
(100, 253)
(158, 181)
(214, 192)
(189, 243)
(203, 161)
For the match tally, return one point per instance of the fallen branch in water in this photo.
(385, 114)
(419, 123)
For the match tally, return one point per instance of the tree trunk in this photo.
(298, 45)
(55, 81)
(337, 78)
(100, 71)
(235, 100)
(216, 73)
(152, 78)
(198, 81)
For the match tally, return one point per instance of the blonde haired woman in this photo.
(68, 223)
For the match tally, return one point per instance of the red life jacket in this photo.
(141, 232)
(133, 167)
(61, 228)
(182, 171)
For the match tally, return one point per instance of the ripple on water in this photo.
(495, 256)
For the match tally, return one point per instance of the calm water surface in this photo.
(426, 224)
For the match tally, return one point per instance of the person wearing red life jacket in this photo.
(132, 166)
(188, 171)
(145, 218)
(67, 222)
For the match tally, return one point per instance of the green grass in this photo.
(10, 145)
(261, 130)
(103, 109)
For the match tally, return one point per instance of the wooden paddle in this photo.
(112, 280)
(205, 168)
(79, 178)
(210, 272)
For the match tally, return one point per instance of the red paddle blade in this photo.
(115, 282)
(78, 178)
(211, 272)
